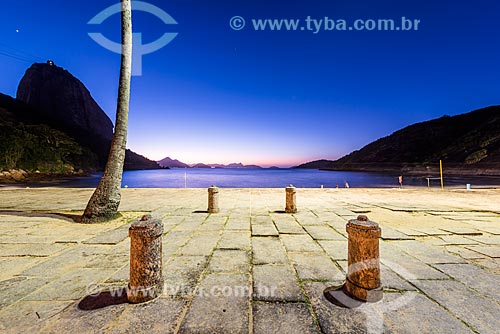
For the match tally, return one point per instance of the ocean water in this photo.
(261, 178)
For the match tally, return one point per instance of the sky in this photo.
(219, 95)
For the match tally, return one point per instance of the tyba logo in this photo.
(139, 49)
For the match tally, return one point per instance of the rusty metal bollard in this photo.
(146, 280)
(213, 199)
(363, 276)
(291, 204)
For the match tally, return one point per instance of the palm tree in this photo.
(103, 205)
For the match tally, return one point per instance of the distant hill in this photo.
(57, 99)
(172, 163)
(200, 165)
(240, 165)
(467, 144)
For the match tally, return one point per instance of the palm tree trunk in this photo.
(104, 203)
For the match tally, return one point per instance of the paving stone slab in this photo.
(310, 221)
(230, 261)
(426, 253)
(283, 218)
(158, 316)
(73, 285)
(315, 266)
(491, 230)
(107, 261)
(432, 231)
(31, 239)
(200, 244)
(479, 312)
(392, 234)
(476, 278)
(17, 288)
(283, 318)
(181, 274)
(216, 218)
(486, 239)
(268, 250)
(122, 275)
(213, 226)
(238, 223)
(172, 243)
(28, 316)
(16, 265)
(345, 214)
(305, 214)
(110, 237)
(407, 266)
(265, 219)
(491, 251)
(38, 250)
(186, 226)
(276, 283)
(84, 321)
(300, 243)
(455, 240)
(465, 253)
(462, 230)
(216, 313)
(264, 230)
(58, 265)
(412, 232)
(391, 280)
(336, 249)
(235, 240)
(323, 232)
(414, 313)
(333, 220)
(289, 228)
(492, 265)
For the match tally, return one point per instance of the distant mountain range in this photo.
(174, 163)
(468, 144)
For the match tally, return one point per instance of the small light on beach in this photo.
(125, 186)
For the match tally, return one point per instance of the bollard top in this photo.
(213, 189)
(290, 188)
(153, 227)
(363, 223)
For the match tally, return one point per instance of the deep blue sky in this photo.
(271, 98)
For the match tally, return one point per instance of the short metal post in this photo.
(213, 199)
(146, 280)
(363, 276)
(291, 204)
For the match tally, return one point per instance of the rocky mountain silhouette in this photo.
(467, 144)
(65, 104)
(172, 163)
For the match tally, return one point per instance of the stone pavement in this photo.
(251, 268)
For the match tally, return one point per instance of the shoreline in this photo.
(421, 171)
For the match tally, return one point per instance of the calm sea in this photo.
(261, 178)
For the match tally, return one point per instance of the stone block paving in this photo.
(251, 268)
